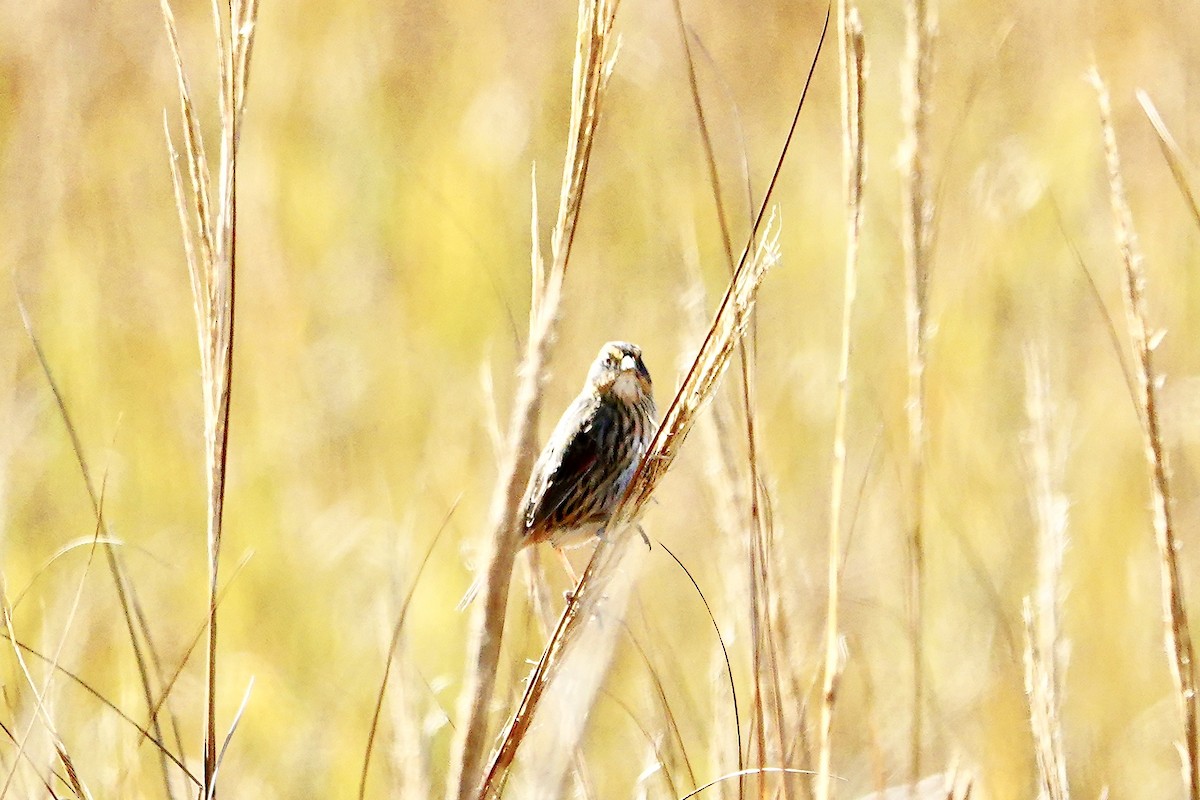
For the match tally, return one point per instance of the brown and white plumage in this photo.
(595, 448)
(592, 454)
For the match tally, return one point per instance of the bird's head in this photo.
(619, 369)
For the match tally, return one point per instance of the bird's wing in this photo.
(573, 449)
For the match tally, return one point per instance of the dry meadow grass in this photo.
(971, 373)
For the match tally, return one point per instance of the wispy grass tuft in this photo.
(209, 224)
(1144, 341)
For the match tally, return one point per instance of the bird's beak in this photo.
(630, 363)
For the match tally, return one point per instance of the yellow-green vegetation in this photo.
(383, 253)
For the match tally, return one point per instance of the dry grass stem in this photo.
(566, 757)
(1171, 153)
(723, 475)
(852, 59)
(537, 264)
(209, 224)
(414, 777)
(138, 630)
(728, 326)
(764, 629)
(408, 755)
(1177, 632)
(671, 732)
(40, 713)
(594, 57)
(1045, 650)
(917, 220)
(747, 520)
(757, 771)
(74, 678)
(710, 159)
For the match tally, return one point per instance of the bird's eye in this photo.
(628, 362)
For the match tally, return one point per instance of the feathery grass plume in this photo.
(1045, 650)
(209, 242)
(1180, 651)
(595, 54)
(604, 587)
(917, 219)
(852, 50)
(1171, 153)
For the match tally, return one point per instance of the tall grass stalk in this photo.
(595, 52)
(1045, 650)
(852, 60)
(755, 527)
(724, 478)
(917, 221)
(209, 223)
(1143, 341)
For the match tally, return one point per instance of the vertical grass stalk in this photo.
(1045, 651)
(852, 60)
(917, 218)
(764, 628)
(210, 241)
(1176, 628)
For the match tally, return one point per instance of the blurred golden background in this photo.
(383, 249)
